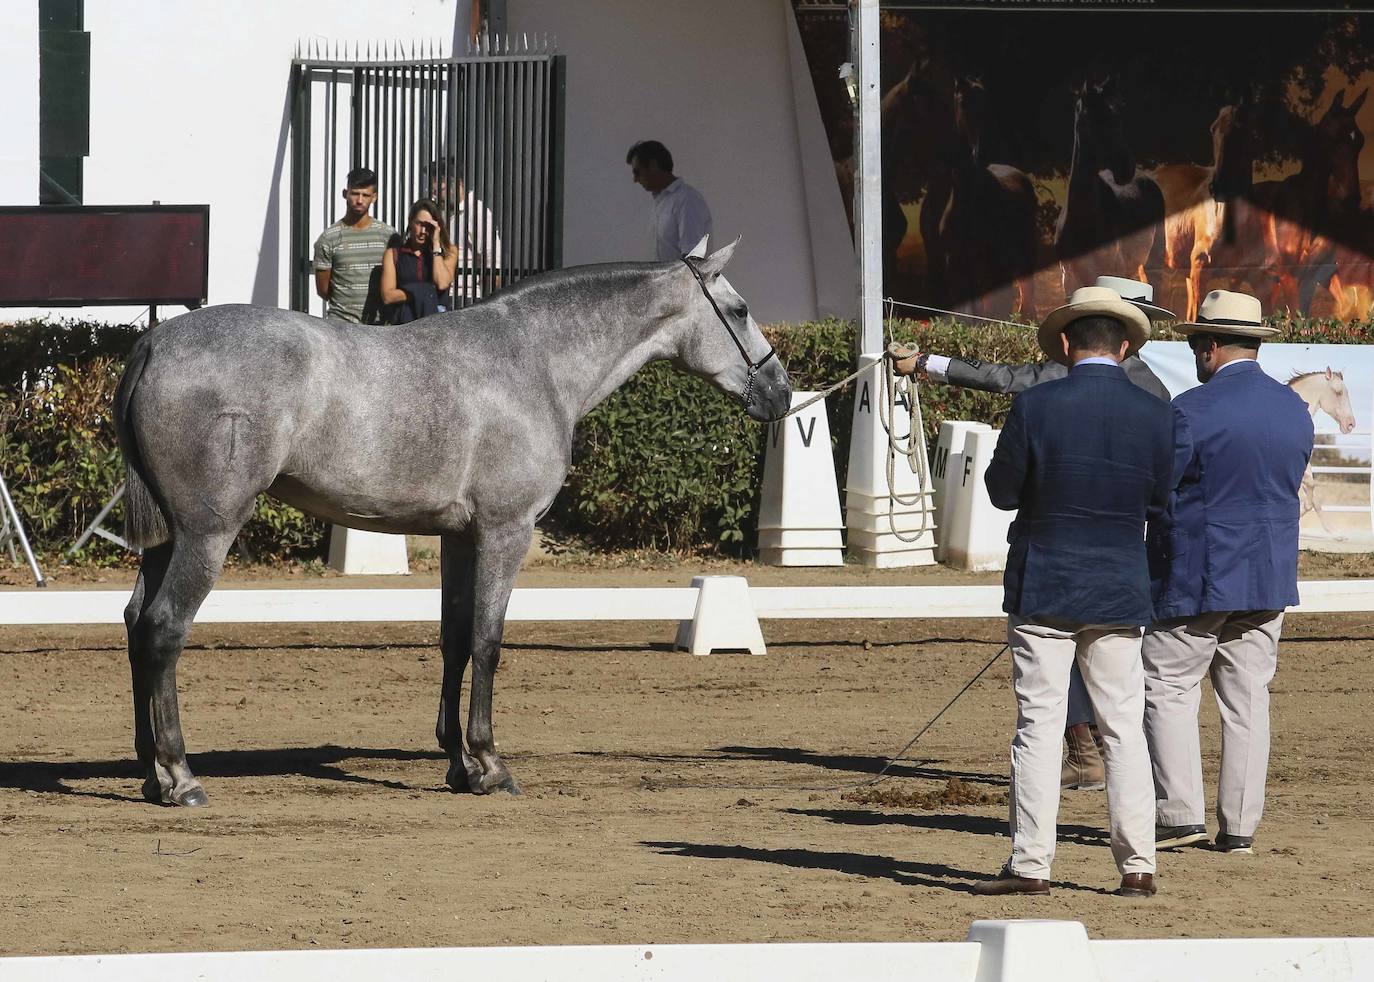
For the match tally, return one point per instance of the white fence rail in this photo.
(997, 951)
(229, 606)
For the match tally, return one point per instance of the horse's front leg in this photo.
(456, 560)
(498, 556)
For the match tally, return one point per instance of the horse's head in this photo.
(723, 343)
(1336, 141)
(1098, 130)
(970, 110)
(1233, 151)
(1335, 401)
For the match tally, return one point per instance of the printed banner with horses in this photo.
(1027, 150)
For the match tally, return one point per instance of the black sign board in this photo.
(74, 256)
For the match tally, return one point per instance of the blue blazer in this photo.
(1085, 459)
(1230, 537)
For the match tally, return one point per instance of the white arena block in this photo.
(949, 442)
(1033, 951)
(868, 494)
(356, 551)
(799, 491)
(974, 536)
(883, 539)
(800, 539)
(802, 557)
(724, 619)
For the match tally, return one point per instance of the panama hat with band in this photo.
(1138, 293)
(1224, 312)
(1093, 301)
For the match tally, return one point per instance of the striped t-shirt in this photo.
(351, 254)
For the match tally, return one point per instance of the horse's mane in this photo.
(598, 278)
(1299, 376)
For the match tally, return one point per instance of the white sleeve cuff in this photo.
(937, 368)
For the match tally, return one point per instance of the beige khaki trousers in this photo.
(1240, 651)
(1043, 655)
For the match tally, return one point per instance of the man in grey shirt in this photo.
(348, 254)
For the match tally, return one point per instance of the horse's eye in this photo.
(742, 312)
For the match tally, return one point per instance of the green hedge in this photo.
(667, 462)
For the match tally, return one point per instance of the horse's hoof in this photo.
(193, 796)
(501, 781)
(463, 777)
(153, 793)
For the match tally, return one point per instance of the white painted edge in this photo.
(1237, 959)
(230, 606)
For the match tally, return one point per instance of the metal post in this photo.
(15, 530)
(868, 179)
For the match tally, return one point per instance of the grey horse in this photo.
(459, 425)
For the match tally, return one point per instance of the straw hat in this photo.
(1138, 293)
(1093, 301)
(1224, 312)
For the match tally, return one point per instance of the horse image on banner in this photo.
(1336, 490)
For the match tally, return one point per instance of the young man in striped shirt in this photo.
(348, 254)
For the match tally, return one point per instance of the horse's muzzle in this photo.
(772, 394)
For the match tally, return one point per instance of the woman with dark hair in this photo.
(417, 274)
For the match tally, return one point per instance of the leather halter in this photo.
(754, 366)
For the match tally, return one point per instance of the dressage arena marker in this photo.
(995, 951)
(799, 509)
(357, 552)
(232, 606)
(890, 525)
(724, 618)
(949, 444)
(975, 531)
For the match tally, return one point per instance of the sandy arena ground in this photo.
(667, 798)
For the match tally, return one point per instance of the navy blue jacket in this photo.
(1085, 459)
(1230, 538)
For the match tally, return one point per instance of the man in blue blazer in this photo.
(1084, 459)
(1225, 565)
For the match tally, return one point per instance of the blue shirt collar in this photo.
(1098, 360)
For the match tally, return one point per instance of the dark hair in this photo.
(1096, 333)
(1226, 340)
(428, 204)
(361, 177)
(651, 152)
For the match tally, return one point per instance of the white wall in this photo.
(189, 106)
(713, 80)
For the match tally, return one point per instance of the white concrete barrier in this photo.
(356, 552)
(996, 951)
(724, 618)
(29, 606)
(975, 531)
(799, 508)
(884, 533)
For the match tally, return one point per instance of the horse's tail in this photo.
(145, 521)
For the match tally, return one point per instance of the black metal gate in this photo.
(482, 135)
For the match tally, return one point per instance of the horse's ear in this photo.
(1328, 373)
(699, 250)
(1354, 107)
(714, 264)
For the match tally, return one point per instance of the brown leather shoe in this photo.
(1137, 885)
(1006, 882)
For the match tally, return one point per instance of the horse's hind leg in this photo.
(499, 554)
(457, 557)
(173, 582)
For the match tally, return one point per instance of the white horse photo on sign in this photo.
(1325, 391)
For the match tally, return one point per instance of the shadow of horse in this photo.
(321, 763)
